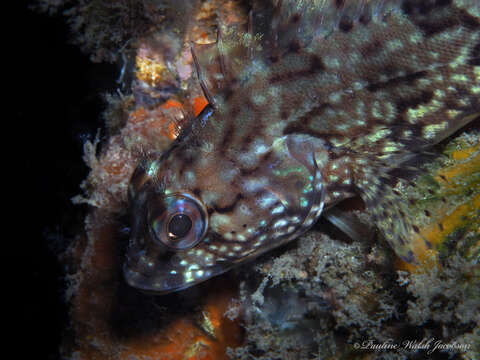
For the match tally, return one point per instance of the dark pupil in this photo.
(179, 225)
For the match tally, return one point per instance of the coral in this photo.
(310, 292)
(117, 112)
(105, 28)
(451, 297)
(447, 303)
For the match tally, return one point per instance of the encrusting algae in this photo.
(324, 296)
(451, 197)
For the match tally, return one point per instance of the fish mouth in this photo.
(162, 285)
(167, 275)
(154, 274)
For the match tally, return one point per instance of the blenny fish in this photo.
(314, 102)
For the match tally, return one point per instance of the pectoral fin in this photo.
(390, 211)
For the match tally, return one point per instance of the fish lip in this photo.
(138, 281)
(141, 281)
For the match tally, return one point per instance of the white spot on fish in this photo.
(278, 210)
(295, 219)
(309, 222)
(266, 201)
(241, 237)
(280, 223)
(188, 276)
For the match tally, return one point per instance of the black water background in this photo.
(55, 102)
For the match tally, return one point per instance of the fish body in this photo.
(315, 104)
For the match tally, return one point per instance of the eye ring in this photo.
(178, 221)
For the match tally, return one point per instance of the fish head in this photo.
(198, 212)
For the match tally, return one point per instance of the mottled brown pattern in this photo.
(311, 106)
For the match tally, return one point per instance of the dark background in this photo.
(57, 103)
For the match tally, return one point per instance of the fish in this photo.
(313, 103)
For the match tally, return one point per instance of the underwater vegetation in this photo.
(220, 146)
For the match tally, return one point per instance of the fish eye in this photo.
(179, 226)
(178, 221)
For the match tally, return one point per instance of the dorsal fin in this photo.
(272, 28)
(221, 63)
(283, 23)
